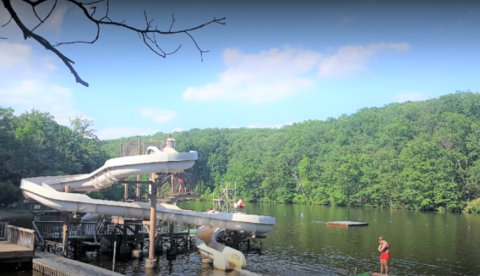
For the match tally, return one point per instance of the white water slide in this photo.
(49, 191)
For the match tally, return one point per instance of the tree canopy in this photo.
(415, 155)
(33, 144)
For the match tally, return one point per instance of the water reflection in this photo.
(421, 243)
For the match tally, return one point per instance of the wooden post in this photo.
(138, 186)
(125, 193)
(153, 218)
(171, 184)
(66, 225)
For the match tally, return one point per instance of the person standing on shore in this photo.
(383, 248)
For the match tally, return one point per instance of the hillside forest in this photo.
(414, 155)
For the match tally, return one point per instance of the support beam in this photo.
(138, 186)
(151, 261)
(125, 194)
(66, 225)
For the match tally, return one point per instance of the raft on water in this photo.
(346, 223)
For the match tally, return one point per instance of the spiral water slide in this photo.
(50, 191)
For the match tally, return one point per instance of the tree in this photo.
(147, 34)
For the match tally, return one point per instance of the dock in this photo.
(54, 265)
(19, 245)
(347, 223)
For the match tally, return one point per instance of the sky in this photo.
(273, 63)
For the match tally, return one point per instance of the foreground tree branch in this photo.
(147, 34)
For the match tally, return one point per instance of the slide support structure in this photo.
(66, 225)
(150, 263)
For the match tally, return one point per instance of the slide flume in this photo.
(49, 191)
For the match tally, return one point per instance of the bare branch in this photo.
(153, 50)
(94, 10)
(147, 30)
(219, 21)
(48, 15)
(148, 34)
(35, 12)
(7, 22)
(201, 52)
(27, 33)
(86, 42)
(108, 10)
(173, 21)
(215, 20)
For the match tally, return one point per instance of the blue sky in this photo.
(273, 63)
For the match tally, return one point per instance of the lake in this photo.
(421, 243)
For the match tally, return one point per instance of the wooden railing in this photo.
(53, 230)
(21, 236)
(3, 230)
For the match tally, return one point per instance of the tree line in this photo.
(34, 144)
(413, 155)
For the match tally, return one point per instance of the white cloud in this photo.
(55, 20)
(277, 74)
(119, 132)
(266, 77)
(36, 94)
(158, 115)
(14, 54)
(25, 86)
(410, 96)
(350, 59)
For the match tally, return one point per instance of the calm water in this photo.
(421, 243)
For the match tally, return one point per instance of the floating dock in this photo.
(54, 265)
(347, 223)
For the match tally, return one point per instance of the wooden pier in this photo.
(19, 245)
(347, 223)
(54, 265)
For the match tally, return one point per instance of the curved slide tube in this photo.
(49, 191)
(222, 257)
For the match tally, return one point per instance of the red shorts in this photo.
(385, 256)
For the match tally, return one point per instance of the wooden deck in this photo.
(346, 223)
(9, 250)
(54, 265)
(19, 246)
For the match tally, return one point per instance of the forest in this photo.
(34, 144)
(414, 155)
